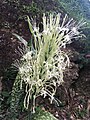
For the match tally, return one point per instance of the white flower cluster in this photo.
(45, 82)
(42, 69)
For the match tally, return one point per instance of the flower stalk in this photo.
(42, 68)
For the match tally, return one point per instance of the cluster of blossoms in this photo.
(44, 81)
(42, 69)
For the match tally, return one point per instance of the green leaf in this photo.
(5, 94)
(21, 39)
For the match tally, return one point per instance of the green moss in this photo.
(32, 8)
(76, 9)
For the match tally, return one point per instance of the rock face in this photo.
(71, 73)
(83, 83)
(8, 46)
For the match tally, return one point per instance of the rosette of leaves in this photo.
(41, 68)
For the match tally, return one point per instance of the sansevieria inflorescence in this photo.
(41, 68)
